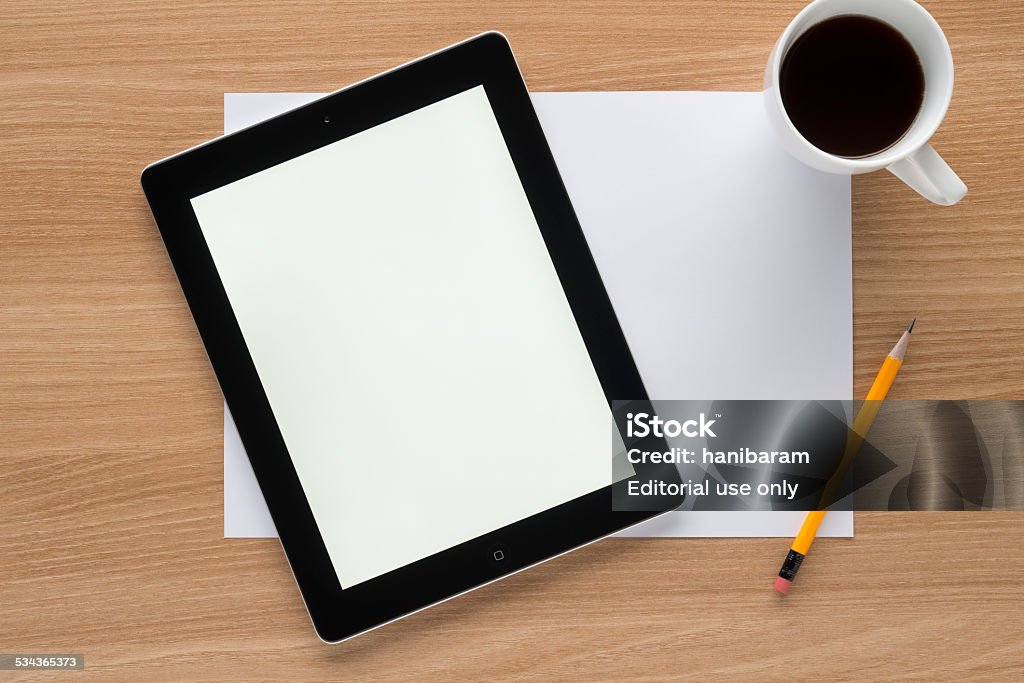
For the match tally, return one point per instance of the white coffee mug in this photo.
(911, 158)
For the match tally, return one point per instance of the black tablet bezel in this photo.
(170, 184)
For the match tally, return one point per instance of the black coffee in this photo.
(852, 85)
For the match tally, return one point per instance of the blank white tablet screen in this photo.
(411, 335)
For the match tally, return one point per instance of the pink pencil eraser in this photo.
(782, 585)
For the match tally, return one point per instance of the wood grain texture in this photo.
(110, 417)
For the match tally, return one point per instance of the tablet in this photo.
(410, 333)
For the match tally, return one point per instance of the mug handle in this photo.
(925, 171)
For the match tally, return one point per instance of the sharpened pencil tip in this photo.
(910, 328)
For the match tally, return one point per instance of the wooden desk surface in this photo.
(110, 417)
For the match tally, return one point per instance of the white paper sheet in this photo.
(729, 264)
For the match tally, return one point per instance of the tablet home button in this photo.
(498, 553)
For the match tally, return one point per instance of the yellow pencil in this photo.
(861, 426)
